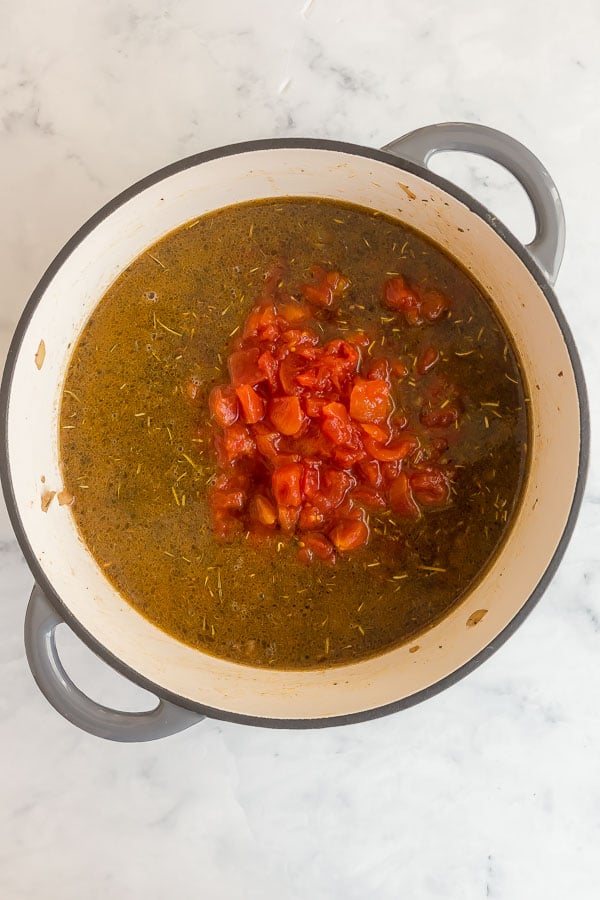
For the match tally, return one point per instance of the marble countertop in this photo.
(491, 788)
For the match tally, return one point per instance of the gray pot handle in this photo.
(41, 621)
(548, 245)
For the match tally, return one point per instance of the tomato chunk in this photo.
(244, 368)
(223, 405)
(235, 443)
(369, 400)
(440, 417)
(349, 535)
(430, 486)
(401, 498)
(286, 414)
(253, 405)
(287, 485)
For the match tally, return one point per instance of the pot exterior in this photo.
(73, 285)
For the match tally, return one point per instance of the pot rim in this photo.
(231, 150)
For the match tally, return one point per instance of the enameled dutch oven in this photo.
(70, 586)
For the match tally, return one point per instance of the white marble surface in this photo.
(489, 790)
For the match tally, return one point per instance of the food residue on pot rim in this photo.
(476, 617)
(40, 354)
(47, 498)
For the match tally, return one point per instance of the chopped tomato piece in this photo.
(434, 305)
(286, 414)
(427, 360)
(311, 478)
(381, 370)
(313, 406)
(349, 535)
(369, 496)
(402, 501)
(253, 405)
(430, 486)
(293, 312)
(369, 400)
(399, 297)
(286, 484)
(335, 484)
(439, 417)
(376, 432)
(288, 517)
(310, 519)
(289, 370)
(329, 287)
(269, 366)
(235, 443)
(399, 368)
(263, 511)
(336, 423)
(320, 546)
(244, 368)
(398, 448)
(223, 405)
(359, 339)
(371, 472)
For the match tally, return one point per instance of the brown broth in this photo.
(139, 466)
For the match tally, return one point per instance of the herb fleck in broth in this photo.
(137, 454)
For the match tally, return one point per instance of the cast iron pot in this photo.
(71, 587)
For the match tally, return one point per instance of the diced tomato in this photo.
(320, 546)
(359, 339)
(269, 366)
(311, 518)
(381, 370)
(430, 486)
(335, 484)
(288, 517)
(369, 497)
(369, 400)
(371, 472)
(286, 483)
(434, 305)
(311, 479)
(262, 510)
(223, 405)
(349, 535)
(286, 414)
(398, 448)
(427, 360)
(293, 312)
(339, 351)
(289, 369)
(253, 405)
(346, 457)
(439, 417)
(313, 406)
(235, 443)
(329, 287)
(399, 297)
(402, 501)
(244, 368)
(399, 368)
(336, 423)
(376, 432)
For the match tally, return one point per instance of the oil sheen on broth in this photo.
(136, 453)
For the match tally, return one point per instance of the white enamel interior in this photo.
(80, 283)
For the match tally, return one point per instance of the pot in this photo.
(70, 586)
